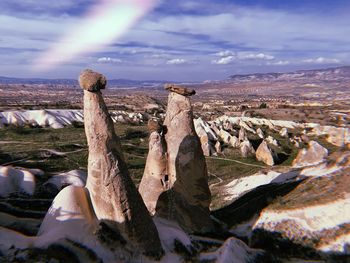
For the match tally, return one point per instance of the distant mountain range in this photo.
(314, 74)
(113, 83)
(337, 73)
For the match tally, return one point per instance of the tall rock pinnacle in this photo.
(115, 199)
(188, 196)
(155, 179)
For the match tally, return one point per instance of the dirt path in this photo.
(235, 161)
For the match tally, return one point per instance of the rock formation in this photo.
(188, 197)
(115, 199)
(180, 90)
(234, 142)
(271, 140)
(155, 177)
(246, 149)
(16, 179)
(225, 136)
(265, 154)
(314, 154)
(260, 133)
(284, 132)
(242, 135)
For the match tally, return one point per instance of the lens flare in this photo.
(105, 23)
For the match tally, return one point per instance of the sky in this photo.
(172, 40)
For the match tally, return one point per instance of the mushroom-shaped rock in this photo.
(92, 81)
(155, 178)
(180, 90)
(314, 154)
(115, 199)
(265, 154)
(188, 198)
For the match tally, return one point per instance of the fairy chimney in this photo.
(114, 197)
(188, 198)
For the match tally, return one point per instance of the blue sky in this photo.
(184, 40)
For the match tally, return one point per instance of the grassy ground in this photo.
(27, 147)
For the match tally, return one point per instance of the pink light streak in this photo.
(105, 22)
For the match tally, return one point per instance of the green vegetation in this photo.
(28, 147)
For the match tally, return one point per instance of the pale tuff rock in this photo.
(314, 154)
(180, 90)
(284, 132)
(304, 138)
(71, 217)
(212, 135)
(338, 136)
(246, 149)
(260, 133)
(199, 128)
(74, 177)
(55, 119)
(234, 142)
(206, 146)
(238, 187)
(71, 204)
(228, 126)
(313, 226)
(154, 180)
(246, 126)
(233, 250)
(114, 197)
(271, 140)
(206, 136)
(218, 148)
(188, 198)
(214, 128)
(242, 135)
(225, 136)
(265, 154)
(17, 179)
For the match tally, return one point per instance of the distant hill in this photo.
(113, 83)
(314, 74)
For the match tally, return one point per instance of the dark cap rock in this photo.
(92, 81)
(180, 89)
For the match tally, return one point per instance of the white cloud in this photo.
(176, 61)
(224, 60)
(279, 63)
(224, 53)
(109, 60)
(322, 60)
(258, 56)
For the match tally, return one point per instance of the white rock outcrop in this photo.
(17, 179)
(265, 154)
(314, 154)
